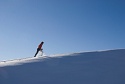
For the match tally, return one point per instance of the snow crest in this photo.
(97, 67)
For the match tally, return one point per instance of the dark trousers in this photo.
(37, 51)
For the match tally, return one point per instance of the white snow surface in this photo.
(96, 67)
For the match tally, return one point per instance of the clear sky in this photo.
(65, 26)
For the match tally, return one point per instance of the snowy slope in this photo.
(100, 67)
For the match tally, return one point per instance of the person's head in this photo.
(42, 42)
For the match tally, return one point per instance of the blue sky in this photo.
(65, 26)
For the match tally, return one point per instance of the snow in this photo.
(96, 67)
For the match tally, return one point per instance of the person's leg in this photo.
(37, 52)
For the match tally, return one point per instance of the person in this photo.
(39, 48)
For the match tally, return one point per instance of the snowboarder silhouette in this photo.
(39, 48)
